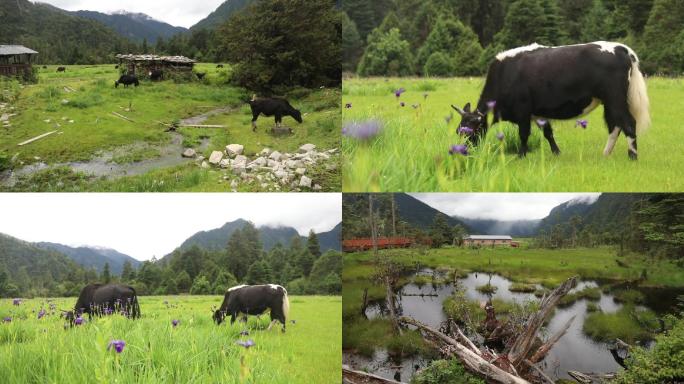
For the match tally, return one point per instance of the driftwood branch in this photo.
(546, 347)
(390, 304)
(201, 126)
(122, 117)
(36, 138)
(352, 376)
(539, 371)
(471, 359)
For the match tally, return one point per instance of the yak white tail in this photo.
(286, 306)
(638, 99)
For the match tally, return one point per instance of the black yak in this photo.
(61, 69)
(156, 75)
(273, 107)
(127, 80)
(104, 299)
(254, 300)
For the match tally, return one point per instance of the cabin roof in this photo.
(489, 237)
(170, 59)
(8, 50)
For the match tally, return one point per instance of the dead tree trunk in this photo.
(390, 304)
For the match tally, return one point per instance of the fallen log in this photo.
(546, 347)
(122, 117)
(471, 359)
(202, 126)
(36, 138)
(351, 376)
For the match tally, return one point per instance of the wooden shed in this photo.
(16, 61)
(141, 65)
(487, 240)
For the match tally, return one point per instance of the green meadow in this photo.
(412, 151)
(36, 350)
(78, 104)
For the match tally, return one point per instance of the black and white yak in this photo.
(273, 107)
(254, 300)
(540, 83)
(105, 299)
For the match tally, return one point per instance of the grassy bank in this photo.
(36, 350)
(411, 153)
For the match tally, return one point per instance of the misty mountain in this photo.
(217, 239)
(515, 228)
(93, 257)
(24, 260)
(419, 214)
(221, 14)
(133, 26)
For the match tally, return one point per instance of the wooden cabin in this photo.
(141, 65)
(487, 240)
(16, 61)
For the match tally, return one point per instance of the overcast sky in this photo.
(146, 225)
(501, 206)
(181, 13)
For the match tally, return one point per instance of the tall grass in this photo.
(36, 350)
(411, 154)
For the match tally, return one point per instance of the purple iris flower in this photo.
(175, 322)
(362, 131)
(461, 148)
(78, 320)
(582, 123)
(7, 320)
(465, 131)
(41, 313)
(491, 104)
(541, 122)
(348, 105)
(500, 136)
(399, 91)
(117, 344)
(402, 104)
(108, 311)
(246, 344)
(244, 333)
(16, 301)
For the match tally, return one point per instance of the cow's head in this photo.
(297, 115)
(218, 317)
(69, 316)
(474, 122)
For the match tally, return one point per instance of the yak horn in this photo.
(457, 109)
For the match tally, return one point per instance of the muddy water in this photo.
(574, 351)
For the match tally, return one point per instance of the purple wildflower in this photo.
(500, 136)
(348, 105)
(582, 123)
(78, 320)
(16, 301)
(461, 148)
(175, 322)
(398, 92)
(246, 344)
(491, 104)
(7, 320)
(402, 104)
(117, 344)
(465, 131)
(108, 311)
(362, 131)
(541, 122)
(41, 313)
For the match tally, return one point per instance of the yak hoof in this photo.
(522, 154)
(632, 155)
(556, 151)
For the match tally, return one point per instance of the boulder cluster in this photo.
(269, 169)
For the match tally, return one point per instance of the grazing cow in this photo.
(538, 82)
(219, 66)
(254, 300)
(127, 80)
(103, 299)
(156, 74)
(44, 66)
(200, 75)
(116, 66)
(61, 69)
(273, 107)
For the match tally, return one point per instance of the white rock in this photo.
(200, 158)
(300, 171)
(272, 163)
(323, 156)
(317, 187)
(260, 161)
(305, 182)
(265, 151)
(234, 149)
(216, 157)
(275, 155)
(241, 159)
(331, 151)
(205, 164)
(264, 185)
(280, 174)
(234, 184)
(238, 169)
(65, 101)
(306, 148)
(189, 152)
(225, 163)
(4, 117)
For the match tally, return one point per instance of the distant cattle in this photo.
(254, 300)
(116, 66)
(105, 299)
(127, 80)
(44, 66)
(61, 69)
(156, 75)
(200, 75)
(540, 83)
(219, 66)
(273, 107)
